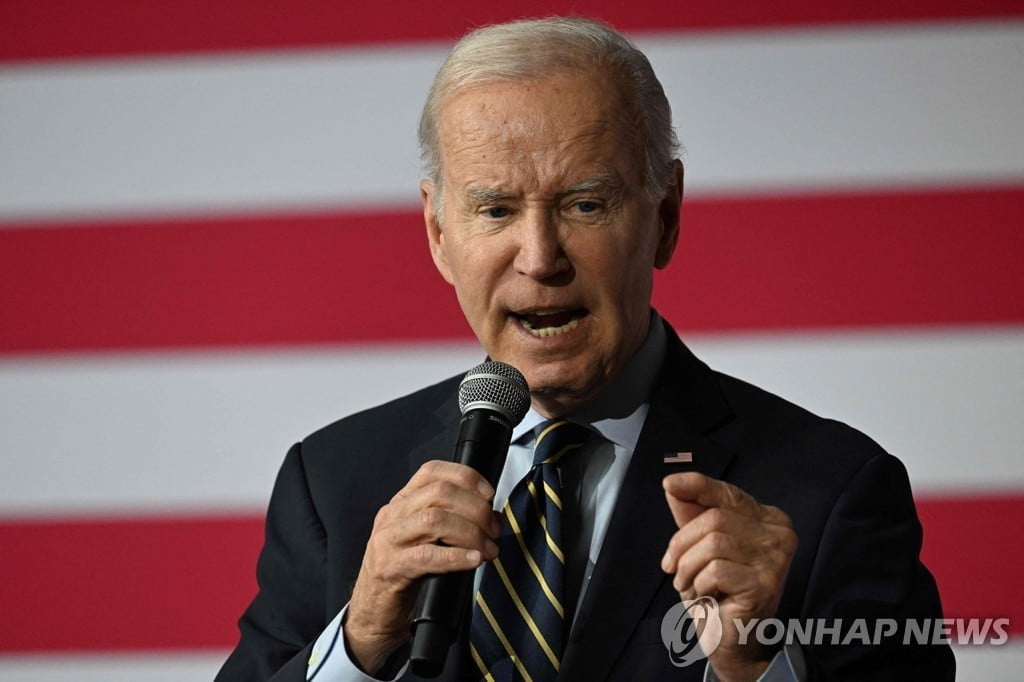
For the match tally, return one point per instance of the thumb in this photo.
(683, 512)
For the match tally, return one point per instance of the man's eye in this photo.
(587, 206)
(497, 212)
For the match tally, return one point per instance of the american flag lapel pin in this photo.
(679, 458)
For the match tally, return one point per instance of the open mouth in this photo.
(543, 324)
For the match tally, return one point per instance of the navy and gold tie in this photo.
(519, 614)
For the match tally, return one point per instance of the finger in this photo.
(716, 521)
(453, 472)
(710, 492)
(750, 591)
(401, 568)
(723, 533)
(433, 559)
(683, 512)
(724, 577)
(749, 568)
(711, 547)
(767, 551)
(444, 494)
(433, 525)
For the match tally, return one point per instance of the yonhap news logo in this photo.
(691, 630)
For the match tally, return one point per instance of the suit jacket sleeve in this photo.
(867, 566)
(287, 615)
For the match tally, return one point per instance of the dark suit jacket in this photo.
(850, 503)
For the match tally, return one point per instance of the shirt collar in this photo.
(618, 412)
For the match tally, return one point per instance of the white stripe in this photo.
(758, 111)
(130, 433)
(990, 662)
(796, 109)
(120, 667)
(209, 133)
(188, 431)
(948, 403)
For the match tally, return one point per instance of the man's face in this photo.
(548, 234)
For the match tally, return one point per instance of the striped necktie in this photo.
(519, 616)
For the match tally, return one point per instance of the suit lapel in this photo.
(439, 441)
(686, 404)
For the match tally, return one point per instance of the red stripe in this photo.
(915, 258)
(912, 258)
(182, 583)
(972, 544)
(89, 28)
(174, 583)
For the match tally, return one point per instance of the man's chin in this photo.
(558, 388)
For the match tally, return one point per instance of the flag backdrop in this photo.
(210, 246)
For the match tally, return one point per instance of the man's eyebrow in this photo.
(605, 182)
(483, 195)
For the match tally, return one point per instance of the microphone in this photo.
(493, 398)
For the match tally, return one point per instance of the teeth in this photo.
(544, 332)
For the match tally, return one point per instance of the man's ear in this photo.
(435, 235)
(668, 212)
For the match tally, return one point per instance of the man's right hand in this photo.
(443, 502)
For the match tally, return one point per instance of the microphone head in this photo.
(495, 386)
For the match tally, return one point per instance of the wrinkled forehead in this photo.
(564, 113)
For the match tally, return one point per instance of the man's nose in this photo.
(541, 254)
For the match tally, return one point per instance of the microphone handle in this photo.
(443, 600)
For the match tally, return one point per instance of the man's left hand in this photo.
(732, 548)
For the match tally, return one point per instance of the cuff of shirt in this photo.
(330, 660)
(787, 666)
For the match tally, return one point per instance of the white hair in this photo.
(530, 49)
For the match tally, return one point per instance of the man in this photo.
(554, 192)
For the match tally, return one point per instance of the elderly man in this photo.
(554, 192)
